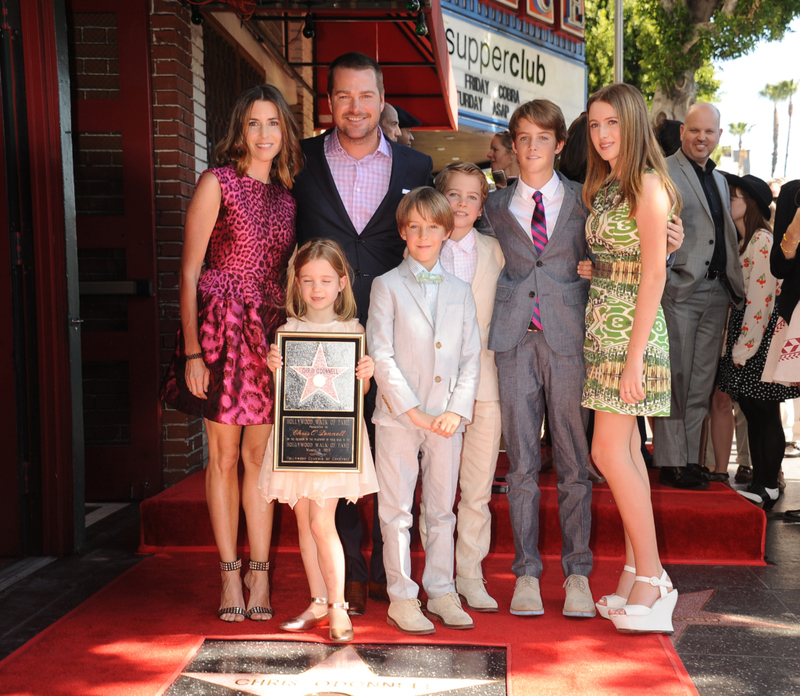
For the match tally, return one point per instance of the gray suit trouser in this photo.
(528, 373)
(696, 329)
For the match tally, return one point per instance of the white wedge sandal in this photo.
(657, 618)
(613, 601)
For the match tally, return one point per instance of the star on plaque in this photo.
(319, 376)
(343, 672)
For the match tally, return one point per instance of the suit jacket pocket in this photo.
(575, 296)
(681, 257)
(503, 293)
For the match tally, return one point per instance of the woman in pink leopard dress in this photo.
(240, 223)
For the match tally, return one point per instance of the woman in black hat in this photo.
(784, 264)
(749, 334)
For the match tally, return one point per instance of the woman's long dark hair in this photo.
(232, 149)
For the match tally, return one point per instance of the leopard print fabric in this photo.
(240, 298)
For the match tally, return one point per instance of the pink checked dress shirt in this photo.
(362, 184)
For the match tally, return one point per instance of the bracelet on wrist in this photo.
(194, 356)
(792, 245)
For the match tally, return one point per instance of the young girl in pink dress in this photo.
(319, 299)
(240, 224)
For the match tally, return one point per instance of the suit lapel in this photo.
(318, 163)
(442, 298)
(483, 262)
(510, 219)
(416, 291)
(568, 203)
(398, 175)
(694, 181)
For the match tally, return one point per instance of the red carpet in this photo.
(711, 527)
(131, 638)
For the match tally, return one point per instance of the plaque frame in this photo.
(292, 414)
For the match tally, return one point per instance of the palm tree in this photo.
(791, 87)
(739, 129)
(774, 94)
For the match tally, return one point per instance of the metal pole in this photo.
(618, 41)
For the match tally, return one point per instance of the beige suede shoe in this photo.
(406, 615)
(473, 593)
(447, 609)
(527, 600)
(579, 600)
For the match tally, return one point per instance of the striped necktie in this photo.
(539, 236)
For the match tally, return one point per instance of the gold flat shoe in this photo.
(340, 635)
(298, 625)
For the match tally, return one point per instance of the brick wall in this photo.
(300, 51)
(178, 128)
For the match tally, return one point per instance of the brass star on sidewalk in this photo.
(344, 672)
(319, 377)
(690, 611)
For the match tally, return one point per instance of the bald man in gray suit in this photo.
(705, 278)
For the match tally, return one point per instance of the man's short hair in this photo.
(544, 114)
(355, 61)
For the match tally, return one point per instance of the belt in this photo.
(533, 327)
(713, 275)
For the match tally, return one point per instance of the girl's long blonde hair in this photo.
(330, 251)
(639, 150)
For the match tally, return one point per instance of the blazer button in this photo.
(531, 294)
(437, 379)
(438, 344)
(539, 263)
(707, 263)
(710, 241)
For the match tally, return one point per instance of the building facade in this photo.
(110, 111)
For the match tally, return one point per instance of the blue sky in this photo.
(742, 79)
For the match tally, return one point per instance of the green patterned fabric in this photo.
(614, 239)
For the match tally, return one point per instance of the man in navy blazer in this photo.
(353, 180)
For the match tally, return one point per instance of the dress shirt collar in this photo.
(710, 165)
(332, 145)
(417, 267)
(548, 190)
(466, 244)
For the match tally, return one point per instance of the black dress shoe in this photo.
(680, 477)
(355, 594)
(792, 514)
(377, 591)
(699, 471)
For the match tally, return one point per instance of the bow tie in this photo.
(425, 277)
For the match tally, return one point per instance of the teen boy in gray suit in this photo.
(537, 334)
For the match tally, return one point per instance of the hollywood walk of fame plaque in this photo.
(319, 402)
(296, 668)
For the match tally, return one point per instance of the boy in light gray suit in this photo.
(423, 335)
(537, 334)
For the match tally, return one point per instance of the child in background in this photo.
(423, 334)
(476, 259)
(319, 299)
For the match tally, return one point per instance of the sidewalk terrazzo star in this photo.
(690, 611)
(344, 672)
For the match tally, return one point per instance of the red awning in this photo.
(416, 69)
(417, 75)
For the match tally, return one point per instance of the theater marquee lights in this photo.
(496, 71)
(560, 15)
